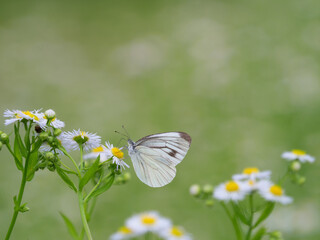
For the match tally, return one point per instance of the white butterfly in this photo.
(155, 157)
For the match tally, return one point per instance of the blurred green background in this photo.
(241, 77)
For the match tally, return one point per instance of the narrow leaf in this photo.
(266, 212)
(66, 179)
(259, 234)
(72, 230)
(240, 213)
(33, 160)
(19, 142)
(104, 186)
(89, 174)
(17, 154)
(36, 146)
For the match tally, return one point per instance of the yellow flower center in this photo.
(175, 231)
(117, 152)
(298, 152)
(125, 230)
(249, 171)
(251, 182)
(148, 220)
(232, 186)
(97, 149)
(276, 190)
(28, 113)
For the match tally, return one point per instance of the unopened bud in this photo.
(50, 139)
(295, 166)
(57, 132)
(126, 176)
(50, 156)
(4, 138)
(276, 235)
(209, 202)
(195, 190)
(301, 180)
(207, 189)
(43, 136)
(50, 114)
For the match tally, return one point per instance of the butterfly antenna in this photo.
(126, 131)
(121, 134)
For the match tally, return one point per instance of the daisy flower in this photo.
(252, 173)
(17, 115)
(300, 155)
(72, 140)
(95, 152)
(273, 192)
(175, 233)
(56, 123)
(117, 155)
(124, 233)
(231, 190)
(148, 222)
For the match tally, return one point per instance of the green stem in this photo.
(81, 157)
(74, 163)
(234, 222)
(83, 216)
(251, 217)
(20, 195)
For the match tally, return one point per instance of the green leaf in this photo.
(259, 234)
(65, 178)
(19, 142)
(72, 230)
(266, 212)
(240, 214)
(89, 174)
(33, 160)
(36, 145)
(17, 154)
(105, 184)
(23, 208)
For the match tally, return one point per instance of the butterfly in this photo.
(156, 156)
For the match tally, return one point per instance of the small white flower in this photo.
(148, 222)
(231, 190)
(175, 233)
(195, 190)
(17, 115)
(71, 140)
(252, 173)
(117, 155)
(50, 114)
(302, 156)
(124, 233)
(273, 192)
(95, 152)
(56, 123)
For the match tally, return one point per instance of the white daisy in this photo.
(17, 115)
(175, 233)
(71, 140)
(124, 233)
(56, 123)
(95, 152)
(252, 173)
(302, 156)
(273, 192)
(231, 190)
(148, 222)
(117, 155)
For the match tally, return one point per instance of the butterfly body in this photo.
(155, 157)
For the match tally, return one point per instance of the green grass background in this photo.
(241, 77)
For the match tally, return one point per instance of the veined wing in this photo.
(173, 146)
(151, 168)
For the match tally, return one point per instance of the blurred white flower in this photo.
(175, 233)
(195, 190)
(231, 190)
(117, 156)
(17, 115)
(148, 222)
(272, 192)
(302, 156)
(252, 173)
(95, 152)
(124, 233)
(72, 140)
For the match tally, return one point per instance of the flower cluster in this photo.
(150, 223)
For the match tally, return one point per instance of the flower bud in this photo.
(301, 180)
(276, 235)
(295, 166)
(57, 132)
(51, 167)
(4, 138)
(50, 139)
(126, 176)
(49, 156)
(1, 145)
(50, 114)
(195, 190)
(43, 136)
(209, 202)
(208, 189)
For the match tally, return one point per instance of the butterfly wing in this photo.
(155, 156)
